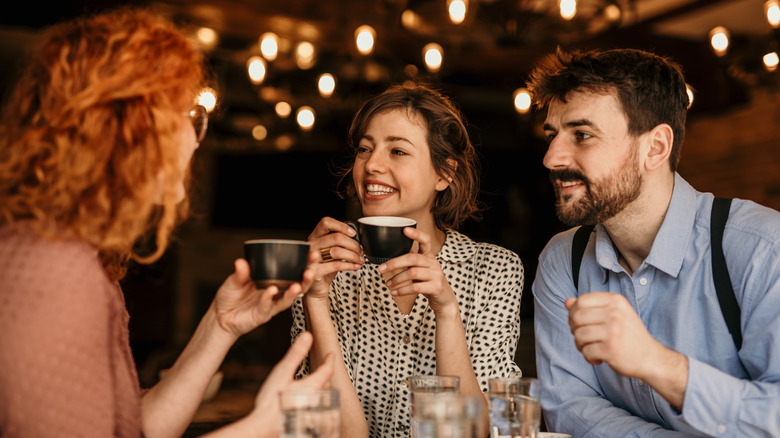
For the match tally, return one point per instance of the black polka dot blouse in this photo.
(381, 346)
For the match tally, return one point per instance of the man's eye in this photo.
(548, 138)
(581, 136)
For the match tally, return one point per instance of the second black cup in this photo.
(276, 262)
(382, 237)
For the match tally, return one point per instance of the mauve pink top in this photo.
(66, 368)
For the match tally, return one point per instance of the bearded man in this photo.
(639, 342)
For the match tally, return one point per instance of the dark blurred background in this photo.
(259, 174)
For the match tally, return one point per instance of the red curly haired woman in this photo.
(95, 145)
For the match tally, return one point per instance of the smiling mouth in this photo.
(378, 189)
(567, 184)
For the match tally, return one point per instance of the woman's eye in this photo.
(399, 152)
(362, 149)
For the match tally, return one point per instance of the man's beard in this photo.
(603, 198)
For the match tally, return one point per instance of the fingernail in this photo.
(351, 231)
(357, 267)
(382, 267)
(394, 292)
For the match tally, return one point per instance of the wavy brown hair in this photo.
(447, 138)
(92, 131)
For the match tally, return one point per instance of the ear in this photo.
(443, 183)
(660, 141)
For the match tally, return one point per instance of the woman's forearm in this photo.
(453, 359)
(168, 408)
(326, 341)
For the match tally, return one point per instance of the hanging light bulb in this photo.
(568, 9)
(283, 109)
(457, 10)
(771, 61)
(256, 69)
(326, 84)
(772, 11)
(305, 55)
(719, 40)
(305, 118)
(208, 99)
(364, 39)
(433, 55)
(269, 45)
(522, 100)
(207, 37)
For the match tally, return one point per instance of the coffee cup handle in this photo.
(354, 226)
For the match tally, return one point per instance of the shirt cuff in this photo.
(712, 400)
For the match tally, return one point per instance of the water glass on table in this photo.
(446, 415)
(310, 413)
(503, 406)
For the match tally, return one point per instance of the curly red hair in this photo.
(91, 126)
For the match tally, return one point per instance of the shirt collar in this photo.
(457, 247)
(671, 242)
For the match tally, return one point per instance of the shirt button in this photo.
(643, 281)
(406, 339)
(721, 429)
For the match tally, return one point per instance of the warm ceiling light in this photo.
(326, 83)
(283, 109)
(208, 98)
(612, 13)
(771, 61)
(364, 39)
(207, 37)
(256, 69)
(433, 56)
(305, 55)
(568, 9)
(689, 92)
(522, 100)
(259, 132)
(410, 19)
(772, 11)
(457, 10)
(719, 40)
(305, 118)
(269, 45)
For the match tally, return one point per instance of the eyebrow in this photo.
(389, 139)
(573, 124)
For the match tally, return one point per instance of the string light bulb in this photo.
(433, 55)
(689, 92)
(457, 10)
(770, 61)
(364, 39)
(326, 84)
(256, 68)
(305, 117)
(772, 11)
(305, 55)
(283, 109)
(208, 99)
(568, 9)
(269, 45)
(522, 99)
(719, 40)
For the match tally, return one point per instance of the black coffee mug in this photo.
(382, 237)
(276, 262)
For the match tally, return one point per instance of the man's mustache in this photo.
(567, 175)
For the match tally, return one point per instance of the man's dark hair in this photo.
(651, 89)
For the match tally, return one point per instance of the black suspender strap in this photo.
(580, 242)
(720, 274)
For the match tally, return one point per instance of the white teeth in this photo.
(378, 189)
(569, 183)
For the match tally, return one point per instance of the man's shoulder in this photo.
(751, 217)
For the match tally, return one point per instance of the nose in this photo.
(376, 162)
(557, 155)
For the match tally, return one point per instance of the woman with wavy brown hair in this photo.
(95, 145)
(450, 307)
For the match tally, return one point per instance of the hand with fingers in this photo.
(267, 408)
(241, 307)
(336, 250)
(606, 329)
(419, 273)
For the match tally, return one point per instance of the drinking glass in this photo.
(501, 393)
(310, 413)
(419, 385)
(526, 417)
(446, 415)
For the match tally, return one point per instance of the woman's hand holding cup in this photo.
(336, 249)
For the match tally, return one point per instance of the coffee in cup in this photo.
(276, 262)
(382, 237)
